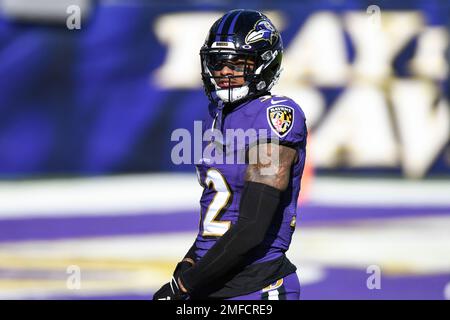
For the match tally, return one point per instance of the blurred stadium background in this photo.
(87, 108)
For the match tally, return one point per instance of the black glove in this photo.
(181, 267)
(170, 291)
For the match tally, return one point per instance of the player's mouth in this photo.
(225, 84)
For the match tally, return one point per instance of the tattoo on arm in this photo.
(271, 164)
(189, 260)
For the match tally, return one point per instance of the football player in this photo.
(248, 209)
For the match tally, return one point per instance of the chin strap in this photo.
(232, 95)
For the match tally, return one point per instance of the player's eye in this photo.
(218, 66)
(235, 66)
(233, 62)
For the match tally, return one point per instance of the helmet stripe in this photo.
(233, 23)
(219, 31)
(225, 21)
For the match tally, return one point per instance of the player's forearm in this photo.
(259, 204)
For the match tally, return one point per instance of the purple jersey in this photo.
(264, 118)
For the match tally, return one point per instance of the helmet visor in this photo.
(237, 63)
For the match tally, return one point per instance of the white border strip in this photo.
(168, 193)
(378, 193)
(128, 194)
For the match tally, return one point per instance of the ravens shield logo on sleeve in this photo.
(281, 119)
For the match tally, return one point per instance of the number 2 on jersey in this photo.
(216, 181)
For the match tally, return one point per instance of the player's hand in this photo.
(170, 291)
(181, 267)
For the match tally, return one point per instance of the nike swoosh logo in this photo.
(275, 102)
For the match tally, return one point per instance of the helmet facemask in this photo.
(228, 75)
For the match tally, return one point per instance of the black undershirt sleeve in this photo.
(259, 203)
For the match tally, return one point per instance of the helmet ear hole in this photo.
(261, 85)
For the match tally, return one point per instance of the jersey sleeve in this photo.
(280, 118)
